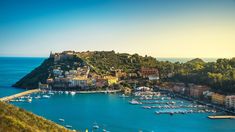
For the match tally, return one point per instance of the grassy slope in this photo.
(14, 119)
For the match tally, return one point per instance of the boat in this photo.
(66, 92)
(104, 130)
(37, 97)
(72, 93)
(20, 100)
(68, 126)
(29, 100)
(123, 96)
(46, 96)
(60, 92)
(51, 93)
(133, 101)
(147, 107)
(62, 120)
(96, 126)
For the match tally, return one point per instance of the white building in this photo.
(153, 77)
(143, 89)
(78, 82)
(230, 101)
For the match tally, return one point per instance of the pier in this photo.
(221, 117)
(99, 91)
(8, 98)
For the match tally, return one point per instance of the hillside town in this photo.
(71, 75)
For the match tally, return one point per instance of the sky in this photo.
(159, 28)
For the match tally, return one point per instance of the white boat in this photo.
(96, 126)
(66, 92)
(46, 96)
(147, 107)
(29, 100)
(72, 93)
(68, 126)
(123, 96)
(20, 100)
(51, 93)
(133, 101)
(62, 120)
(37, 97)
(104, 130)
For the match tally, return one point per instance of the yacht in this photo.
(66, 92)
(95, 126)
(62, 120)
(72, 93)
(29, 100)
(104, 130)
(123, 96)
(133, 101)
(68, 126)
(147, 107)
(38, 97)
(46, 96)
(20, 100)
(51, 93)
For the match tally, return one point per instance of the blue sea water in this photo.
(109, 111)
(14, 68)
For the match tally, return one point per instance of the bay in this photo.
(109, 111)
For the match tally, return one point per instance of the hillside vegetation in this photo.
(14, 119)
(105, 61)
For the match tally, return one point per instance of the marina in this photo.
(165, 104)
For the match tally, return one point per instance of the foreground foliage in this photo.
(14, 119)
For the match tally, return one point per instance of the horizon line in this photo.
(141, 55)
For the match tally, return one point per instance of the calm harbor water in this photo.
(109, 111)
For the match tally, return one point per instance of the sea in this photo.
(109, 111)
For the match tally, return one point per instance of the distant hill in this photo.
(196, 60)
(14, 119)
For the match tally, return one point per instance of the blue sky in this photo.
(160, 28)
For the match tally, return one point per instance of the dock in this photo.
(8, 98)
(99, 91)
(222, 117)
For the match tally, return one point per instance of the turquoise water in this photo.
(12, 69)
(107, 110)
(117, 115)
